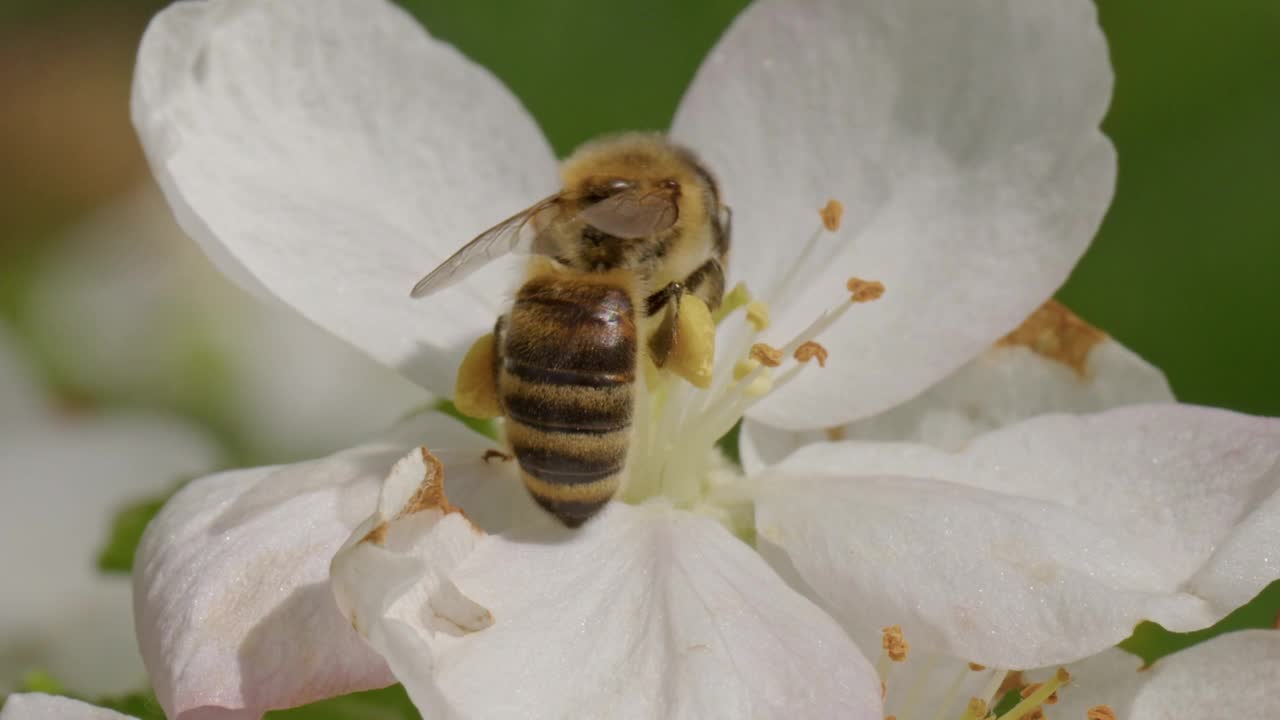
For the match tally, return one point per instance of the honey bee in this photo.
(637, 224)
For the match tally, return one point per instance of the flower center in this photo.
(673, 450)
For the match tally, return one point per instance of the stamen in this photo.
(1101, 712)
(993, 688)
(1036, 699)
(759, 386)
(976, 667)
(1013, 680)
(766, 355)
(864, 290)
(811, 351)
(758, 315)
(894, 644)
(952, 689)
(836, 434)
(1028, 690)
(744, 367)
(831, 214)
(976, 710)
(734, 299)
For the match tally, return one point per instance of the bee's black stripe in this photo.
(573, 513)
(565, 469)
(550, 376)
(561, 414)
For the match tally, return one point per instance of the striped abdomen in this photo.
(566, 383)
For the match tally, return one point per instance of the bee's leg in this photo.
(707, 282)
(665, 302)
(684, 340)
(476, 392)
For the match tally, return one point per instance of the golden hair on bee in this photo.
(646, 165)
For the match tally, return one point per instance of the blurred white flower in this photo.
(129, 311)
(324, 166)
(63, 479)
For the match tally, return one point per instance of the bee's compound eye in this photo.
(599, 190)
(617, 185)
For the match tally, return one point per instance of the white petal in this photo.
(1004, 385)
(332, 152)
(128, 307)
(1040, 543)
(1229, 676)
(643, 612)
(21, 400)
(963, 140)
(38, 706)
(60, 613)
(233, 603)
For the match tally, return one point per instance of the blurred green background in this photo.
(1184, 270)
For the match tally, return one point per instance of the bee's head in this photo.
(637, 185)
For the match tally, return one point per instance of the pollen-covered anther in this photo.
(758, 315)
(976, 667)
(975, 710)
(1038, 696)
(831, 214)
(1100, 712)
(864, 290)
(894, 644)
(812, 351)
(1028, 690)
(766, 355)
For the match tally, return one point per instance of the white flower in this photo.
(62, 479)
(126, 307)
(330, 152)
(1231, 676)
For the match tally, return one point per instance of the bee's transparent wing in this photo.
(510, 235)
(633, 214)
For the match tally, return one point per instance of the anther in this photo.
(760, 386)
(766, 355)
(976, 710)
(831, 214)
(1026, 692)
(744, 367)
(864, 290)
(812, 351)
(1032, 702)
(1100, 712)
(758, 315)
(1012, 681)
(894, 643)
(734, 299)
(976, 667)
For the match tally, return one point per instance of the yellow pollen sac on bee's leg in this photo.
(476, 393)
(694, 352)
